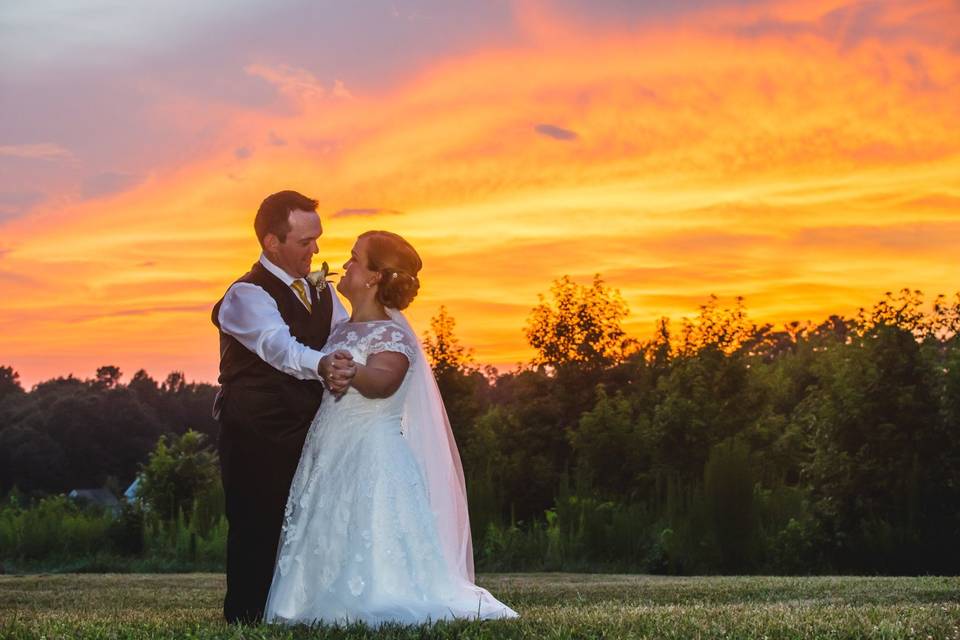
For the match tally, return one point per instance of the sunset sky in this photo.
(803, 154)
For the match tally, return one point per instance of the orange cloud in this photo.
(804, 155)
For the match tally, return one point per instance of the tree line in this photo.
(719, 445)
(716, 445)
(70, 433)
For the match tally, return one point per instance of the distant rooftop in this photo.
(102, 497)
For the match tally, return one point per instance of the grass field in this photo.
(551, 606)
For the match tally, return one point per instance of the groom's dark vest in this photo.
(255, 387)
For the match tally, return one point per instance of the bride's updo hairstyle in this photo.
(398, 264)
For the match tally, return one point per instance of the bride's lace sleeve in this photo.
(342, 337)
(393, 338)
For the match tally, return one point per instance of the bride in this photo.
(376, 527)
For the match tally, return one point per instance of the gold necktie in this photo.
(298, 287)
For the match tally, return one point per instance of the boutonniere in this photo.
(319, 278)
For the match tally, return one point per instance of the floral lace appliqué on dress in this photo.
(359, 542)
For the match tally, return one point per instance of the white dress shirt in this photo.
(251, 315)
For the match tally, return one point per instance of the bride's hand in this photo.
(337, 370)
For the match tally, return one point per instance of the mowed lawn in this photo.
(551, 606)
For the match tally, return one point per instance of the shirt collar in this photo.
(282, 275)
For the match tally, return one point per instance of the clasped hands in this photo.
(337, 370)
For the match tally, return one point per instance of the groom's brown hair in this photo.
(273, 216)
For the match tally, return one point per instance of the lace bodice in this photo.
(362, 340)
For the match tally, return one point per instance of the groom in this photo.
(272, 324)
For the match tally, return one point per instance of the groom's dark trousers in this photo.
(264, 415)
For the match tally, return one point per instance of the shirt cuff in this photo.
(309, 362)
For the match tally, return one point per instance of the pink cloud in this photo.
(41, 151)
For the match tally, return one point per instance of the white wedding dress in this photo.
(362, 538)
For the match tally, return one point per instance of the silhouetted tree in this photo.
(146, 388)
(175, 383)
(442, 346)
(723, 328)
(460, 382)
(579, 325)
(9, 383)
(108, 377)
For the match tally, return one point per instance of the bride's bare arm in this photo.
(382, 375)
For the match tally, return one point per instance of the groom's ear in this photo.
(270, 241)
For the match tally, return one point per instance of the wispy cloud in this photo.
(893, 239)
(291, 81)
(340, 91)
(298, 84)
(365, 212)
(16, 203)
(40, 151)
(93, 316)
(555, 132)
